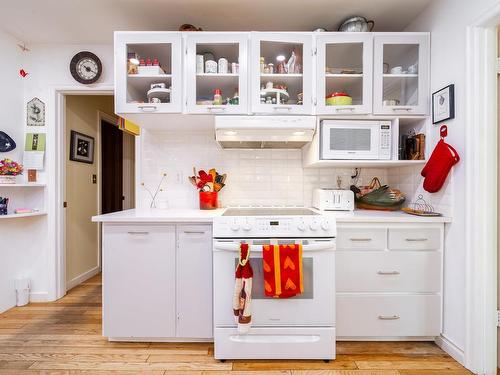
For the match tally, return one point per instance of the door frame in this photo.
(57, 158)
(481, 212)
(112, 119)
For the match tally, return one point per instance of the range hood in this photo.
(264, 131)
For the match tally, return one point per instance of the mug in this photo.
(397, 70)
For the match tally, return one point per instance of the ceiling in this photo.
(93, 21)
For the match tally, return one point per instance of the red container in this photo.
(208, 200)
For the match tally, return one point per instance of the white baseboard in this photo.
(450, 348)
(39, 297)
(83, 277)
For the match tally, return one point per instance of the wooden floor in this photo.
(64, 337)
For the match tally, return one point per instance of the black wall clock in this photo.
(85, 67)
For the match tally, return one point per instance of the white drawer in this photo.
(386, 271)
(388, 315)
(417, 238)
(361, 238)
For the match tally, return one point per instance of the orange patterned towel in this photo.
(282, 266)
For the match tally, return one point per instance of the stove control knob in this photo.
(313, 226)
(246, 227)
(235, 226)
(301, 227)
(325, 225)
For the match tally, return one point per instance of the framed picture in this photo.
(81, 148)
(443, 104)
(35, 112)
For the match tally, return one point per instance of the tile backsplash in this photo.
(255, 177)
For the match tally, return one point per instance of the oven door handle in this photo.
(235, 246)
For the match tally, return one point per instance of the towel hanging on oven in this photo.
(283, 276)
(242, 297)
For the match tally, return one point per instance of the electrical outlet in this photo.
(94, 179)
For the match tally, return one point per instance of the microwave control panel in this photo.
(385, 140)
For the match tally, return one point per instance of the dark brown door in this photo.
(112, 168)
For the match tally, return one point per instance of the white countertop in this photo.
(191, 215)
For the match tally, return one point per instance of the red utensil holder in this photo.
(208, 200)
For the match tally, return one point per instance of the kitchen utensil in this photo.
(378, 197)
(356, 24)
(338, 98)
(397, 70)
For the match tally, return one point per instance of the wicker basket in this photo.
(379, 197)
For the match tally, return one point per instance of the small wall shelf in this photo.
(28, 184)
(16, 216)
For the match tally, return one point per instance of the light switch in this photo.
(94, 179)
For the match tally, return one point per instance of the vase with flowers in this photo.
(9, 170)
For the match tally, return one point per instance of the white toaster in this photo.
(333, 200)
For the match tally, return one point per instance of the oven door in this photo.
(314, 307)
(349, 140)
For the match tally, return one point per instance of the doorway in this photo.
(93, 185)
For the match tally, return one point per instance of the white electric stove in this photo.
(302, 327)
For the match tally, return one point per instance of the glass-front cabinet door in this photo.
(148, 74)
(344, 73)
(401, 74)
(281, 73)
(217, 73)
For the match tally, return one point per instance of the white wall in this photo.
(255, 177)
(447, 21)
(19, 254)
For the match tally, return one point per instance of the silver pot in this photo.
(356, 24)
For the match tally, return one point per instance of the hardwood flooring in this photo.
(64, 337)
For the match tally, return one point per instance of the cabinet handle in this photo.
(360, 239)
(133, 233)
(389, 317)
(416, 239)
(193, 232)
(148, 108)
(402, 109)
(350, 109)
(282, 107)
(216, 108)
(388, 272)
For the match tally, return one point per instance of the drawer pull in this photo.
(388, 272)
(389, 317)
(138, 233)
(360, 239)
(416, 239)
(148, 108)
(193, 232)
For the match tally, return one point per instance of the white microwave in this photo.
(353, 139)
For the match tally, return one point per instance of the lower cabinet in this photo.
(389, 280)
(157, 281)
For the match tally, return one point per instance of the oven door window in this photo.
(258, 279)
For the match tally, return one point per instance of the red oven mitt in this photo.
(437, 168)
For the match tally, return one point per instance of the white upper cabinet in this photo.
(344, 73)
(216, 69)
(401, 73)
(281, 74)
(148, 72)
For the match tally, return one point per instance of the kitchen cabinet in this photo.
(133, 84)
(194, 281)
(389, 280)
(157, 281)
(279, 86)
(344, 64)
(229, 53)
(401, 73)
(138, 275)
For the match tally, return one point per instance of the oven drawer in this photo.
(388, 315)
(361, 238)
(417, 238)
(287, 343)
(388, 271)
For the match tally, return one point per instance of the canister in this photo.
(200, 64)
(210, 66)
(223, 65)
